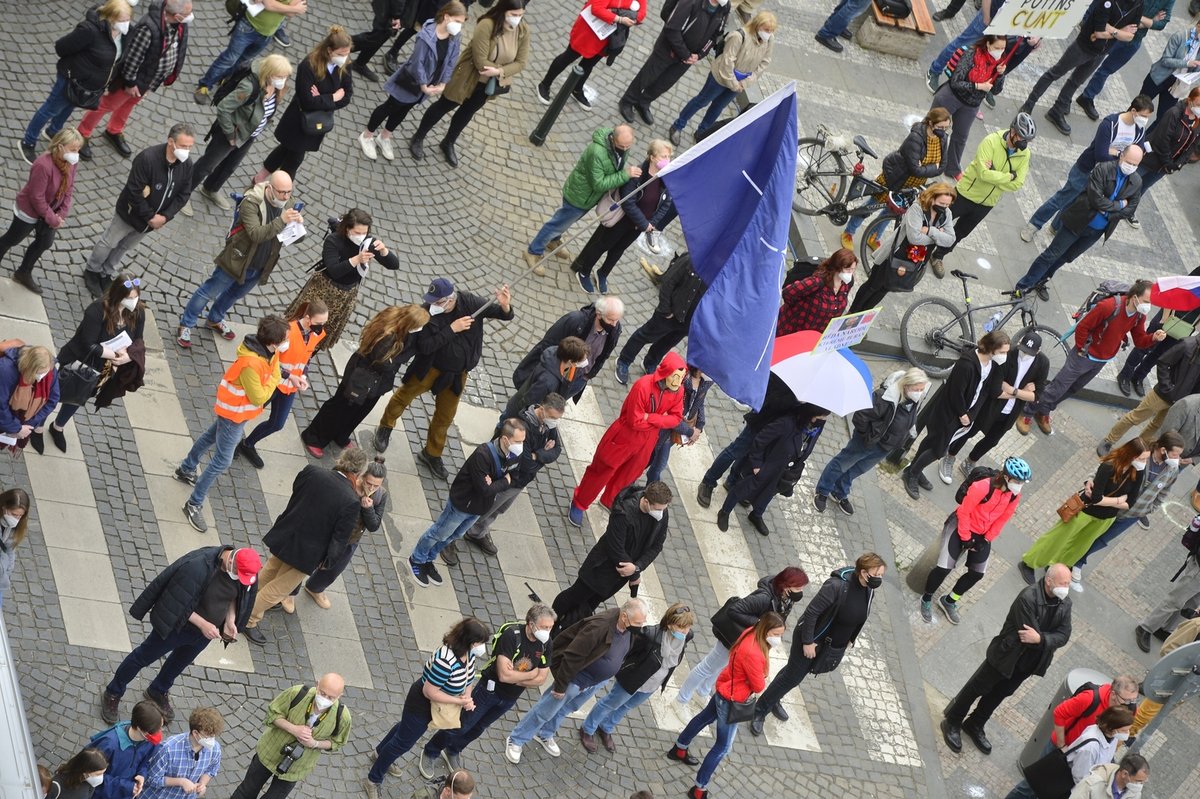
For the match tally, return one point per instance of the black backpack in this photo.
(668, 8)
(230, 83)
(337, 723)
(1091, 708)
(897, 9)
(976, 474)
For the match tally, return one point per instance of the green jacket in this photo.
(274, 739)
(252, 231)
(240, 111)
(993, 172)
(601, 168)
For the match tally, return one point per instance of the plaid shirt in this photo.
(809, 305)
(1155, 488)
(138, 48)
(175, 758)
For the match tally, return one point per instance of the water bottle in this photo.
(992, 322)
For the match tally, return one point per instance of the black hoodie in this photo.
(87, 53)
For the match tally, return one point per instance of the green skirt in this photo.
(1066, 542)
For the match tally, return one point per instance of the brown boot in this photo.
(1023, 425)
(1043, 423)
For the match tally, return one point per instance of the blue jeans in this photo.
(717, 710)
(971, 34)
(608, 712)
(1066, 247)
(728, 457)
(1149, 178)
(1118, 56)
(712, 94)
(400, 738)
(856, 459)
(222, 436)
(52, 114)
(557, 225)
(544, 718)
(488, 708)
(845, 13)
(222, 290)
(1076, 184)
(1110, 535)
(281, 406)
(450, 526)
(184, 647)
(659, 457)
(244, 44)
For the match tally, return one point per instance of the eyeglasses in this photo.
(135, 283)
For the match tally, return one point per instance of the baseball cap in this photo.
(439, 289)
(248, 564)
(1030, 343)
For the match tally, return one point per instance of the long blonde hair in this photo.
(760, 21)
(396, 321)
(33, 360)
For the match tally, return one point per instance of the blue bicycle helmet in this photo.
(1017, 469)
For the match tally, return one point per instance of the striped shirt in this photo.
(445, 671)
(175, 758)
(268, 112)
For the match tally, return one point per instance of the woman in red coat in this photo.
(654, 403)
(612, 18)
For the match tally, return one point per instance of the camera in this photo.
(291, 753)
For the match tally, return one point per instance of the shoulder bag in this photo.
(609, 208)
(316, 123)
(725, 627)
(1050, 777)
(446, 716)
(906, 264)
(1071, 507)
(80, 96)
(740, 711)
(362, 385)
(828, 658)
(76, 383)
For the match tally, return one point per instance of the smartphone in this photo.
(298, 207)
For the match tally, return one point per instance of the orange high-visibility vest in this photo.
(232, 403)
(295, 360)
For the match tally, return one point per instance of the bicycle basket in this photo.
(861, 187)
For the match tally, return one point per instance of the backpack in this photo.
(1191, 537)
(976, 474)
(299, 697)
(508, 625)
(801, 268)
(1091, 708)
(898, 9)
(231, 82)
(236, 226)
(1106, 289)
(236, 9)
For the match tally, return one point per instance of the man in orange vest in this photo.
(247, 385)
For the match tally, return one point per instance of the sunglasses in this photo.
(135, 283)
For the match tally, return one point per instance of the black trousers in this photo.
(990, 687)
(285, 158)
(462, 115)
(367, 44)
(401, 40)
(657, 75)
(871, 293)
(993, 431)
(575, 603)
(43, 237)
(661, 333)
(336, 421)
(967, 216)
(220, 160)
(565, 59)
(611, 242)
(935, 445)
(791, 675)
(256, 777)
(390, 113)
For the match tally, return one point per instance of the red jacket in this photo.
(1068, 714)
(746, 672)
(584, 40)
(985, 518)
(630, 437)
(37, 197)
(1107, 334)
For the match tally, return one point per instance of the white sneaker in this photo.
(549, 744)
(1077, 580)
(512, 752)
(385, 148)
(368, 145)
(1028, 232)
(654, 242)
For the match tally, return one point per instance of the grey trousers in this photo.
(1075, 60)
(1077, 372)
(1185, 593)
(117, 240)
(504, 501)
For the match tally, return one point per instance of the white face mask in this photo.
(71, 158)
(846, 276)
(1120, 736)
(181, 154)
(1015, 487)
(1133, 790)
(434, 310)
(764, 35)
(541, 635)
(996, 53)
(512, 21)
(122, 27)
(582, 364)
(516, 449)
(1127, 168)
(656, 515)
(130, 303)
(1061, 592)
(1172, 462)
(323, 703)
(774, 641)
(357, 238)
(278, 83)
(338, 60)
(999, 358)
(1143, 308)
(208, 743)
(96, 779)
(722, 3)
(187, 20)
(282, 347)
(10, 520)
(1139, 465)
(478, 650)
(550, 423)
(1140, 120)
(453, 27)
(915, 396)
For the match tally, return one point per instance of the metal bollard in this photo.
(538, 137)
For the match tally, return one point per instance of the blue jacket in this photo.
(10, 375)
(420, 65)
(1106, 131)
(126, 760)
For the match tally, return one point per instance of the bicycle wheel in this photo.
(933, 333)
(1052, 345)
(873, 233)
(820, 177)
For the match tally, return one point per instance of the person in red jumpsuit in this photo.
(654, 403)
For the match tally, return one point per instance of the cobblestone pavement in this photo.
(870, 726)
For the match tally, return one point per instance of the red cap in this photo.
(248, 563)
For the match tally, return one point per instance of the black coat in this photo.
(154, 186)
(1179, 370)
(85, 344)
(453, 354)
(631, 537)
(173, 595)
(544, 380)
(787, 440)
(336, 253)
(1101, 184)
(290, 131)
(905, 162)
(750, 608)
(891, 417)
(471, 492)
(1172, 142)
(644, 658)
(88, 52)
(317, 522)
(1006, 649)
(691, 30)
(1038, 374)
(823, 609)
(579, 324)
(680, 290)
(535, 454)
(953, 398)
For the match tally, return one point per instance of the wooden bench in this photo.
(899, 37)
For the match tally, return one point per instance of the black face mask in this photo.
(874, 582)
(606, 327)
(318, 329)
(795, 596)
(1021, 145)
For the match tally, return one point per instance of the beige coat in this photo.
(745, 53)
(1097, 784)
(509, 51)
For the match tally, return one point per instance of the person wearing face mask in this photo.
(14, 523)
(811, 302)
(152, 56)
(1172, 141)
(647, 668)
(79, 776)
(445, 688)
(247, 385)
(744, 59)
(829, 625)
(586, 656)
(1038, 623)
(387, 342)
(251, 252)
(1099, 336)
(422, 76)
(1099, 742)
(498, 52)
(562, 370)
(1181, 55)
(43, 203)
(1119, 481)
(313, 532)
(323, 85)
(118, 312)
(158, 186)
(601, 169)
(302, 722)
(598, 323)
(246, 106)
(646, 208)
(1178, 377)
(690, 427)
(679, 292)
(1121, 781)
(186, 763)
(203, 596)
(518, 658)
(488, 471)
(601, 29)
(877, 430)
(654, 403)
(637, 529)
(249, 36)
(86, 61)
(28, 394)
(781, 446)
(949, 415)
(1114, 133)
(128, 748)
(778, 594)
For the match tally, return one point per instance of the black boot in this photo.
(447, 148)
(416, 146)
(704, 495)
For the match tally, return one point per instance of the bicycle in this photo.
(934, 333)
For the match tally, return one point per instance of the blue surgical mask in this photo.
(679, 635)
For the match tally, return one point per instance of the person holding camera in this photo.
(301, 723)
